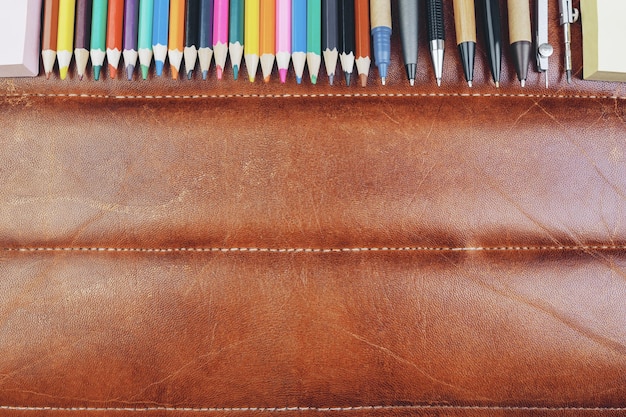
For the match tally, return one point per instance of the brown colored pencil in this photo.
(49, 38)
(362, 32)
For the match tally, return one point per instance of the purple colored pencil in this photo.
(82, 35)
(131, 25)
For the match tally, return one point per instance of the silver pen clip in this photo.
(543, 48)
(568, 15)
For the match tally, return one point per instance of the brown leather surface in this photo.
(236, 249)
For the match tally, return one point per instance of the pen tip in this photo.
(497, 84)
(412, 82)
(469, 83)
(438, 82)
(383, 80)
(523, 83)
(569, 77)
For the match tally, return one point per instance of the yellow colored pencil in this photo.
(251, 37)
(65, 35)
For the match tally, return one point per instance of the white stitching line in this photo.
(323, 250)
(317, 409)
(296, 95)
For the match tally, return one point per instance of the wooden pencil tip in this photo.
(363, 79)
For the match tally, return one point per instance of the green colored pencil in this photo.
(97, 53)
(144, 43)
(314, 38)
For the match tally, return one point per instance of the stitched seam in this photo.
(317, 409)
(296, 95)
(323, 250)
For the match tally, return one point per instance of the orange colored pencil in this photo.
(267, 37)
(176, 40)
(115, 34)
(49, 36)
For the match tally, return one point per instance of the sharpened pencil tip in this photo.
(219, 72)
(189, 74)
(283, 75)
(205, 74)
(159, 68)
(174, 72)
(144, 71)
(235, 72)
(313, 79)
(266, 79)
(96, 72)
(299, 80)
(112, 72)
(63, 72)
(47, 75)
(129, 72)
(363, 79)
(331, 79)
(348, 78)
(80, 77)
(251, 78)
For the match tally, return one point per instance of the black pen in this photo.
(493, 36)
(408, 14)
(436, 36)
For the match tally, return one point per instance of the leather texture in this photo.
(175, 248)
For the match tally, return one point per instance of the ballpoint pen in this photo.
(465, 25)
(408, 14)
(436, 36)
(568, 15)
(493, 36)
(520, 37)
(380, 16)
(543, 49)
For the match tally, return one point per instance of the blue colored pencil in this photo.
(298, 37)
(160, 33)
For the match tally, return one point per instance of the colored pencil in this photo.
(251, 37)
(192, 36)
(346, 38)
(314, 38)
(283, 37)
(330, 37)
(98, 36)
(131, 23)
(205, 49)
(49, 35)
(236, 35)
(362, 36)
(176, 39)
(144, 37)
(115, 35)
(65, 36)
(298, 37)
(160, 31)
(220, 35)
(81, 35)
(267, 37)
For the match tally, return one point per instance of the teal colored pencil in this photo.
(314, 38)
(98, 36)
(144, 44)
(235, 35)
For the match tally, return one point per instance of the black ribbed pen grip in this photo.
(435, 20)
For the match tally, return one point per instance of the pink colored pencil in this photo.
(283, 37)
(220, 35)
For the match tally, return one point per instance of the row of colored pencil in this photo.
(200, 31)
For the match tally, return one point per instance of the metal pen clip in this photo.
(543, 48)
(568, 15)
